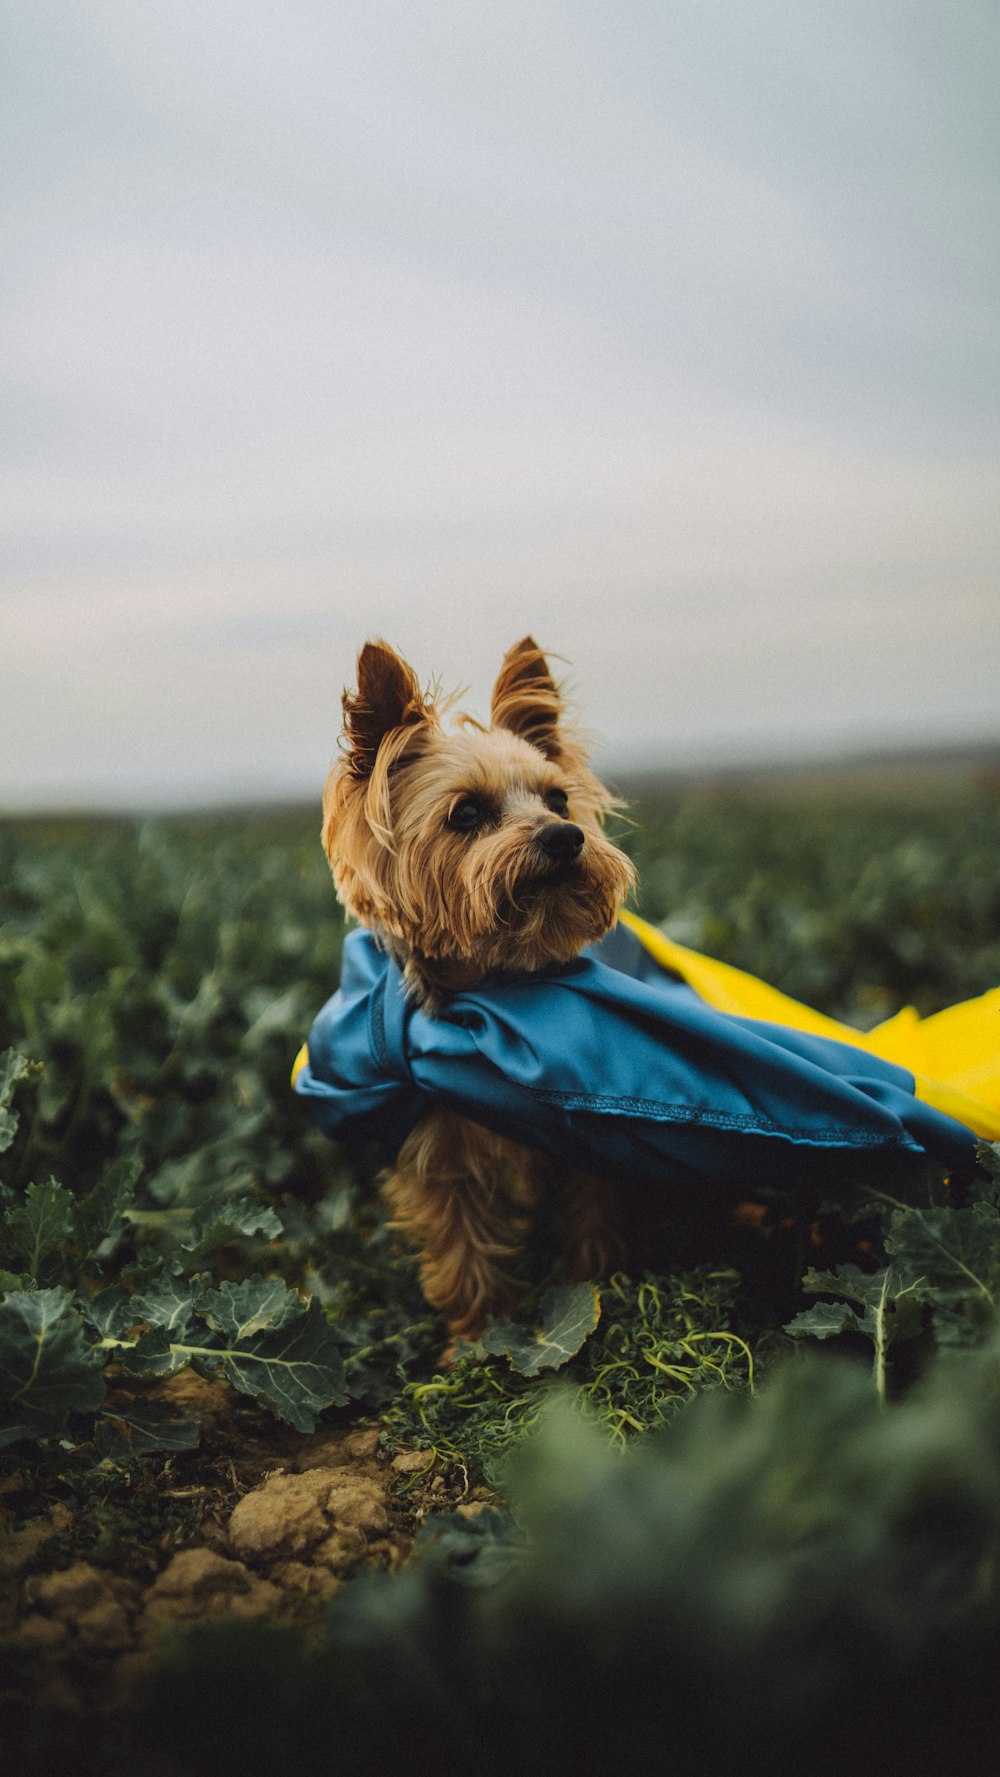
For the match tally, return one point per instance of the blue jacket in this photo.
(610, 1064)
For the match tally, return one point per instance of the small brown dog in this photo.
(469, 851)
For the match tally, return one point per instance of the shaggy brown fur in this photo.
(468, 851)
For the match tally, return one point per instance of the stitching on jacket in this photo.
(669, 1113)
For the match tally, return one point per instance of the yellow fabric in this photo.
(954, 1056)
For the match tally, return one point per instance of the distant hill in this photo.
(938, 772)
(931, 774)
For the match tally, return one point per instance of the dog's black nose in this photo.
(561, 840)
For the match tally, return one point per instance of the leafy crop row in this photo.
(166, 1201)
(792, 1545)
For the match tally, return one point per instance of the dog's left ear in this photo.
(388, 697)
(526, 698)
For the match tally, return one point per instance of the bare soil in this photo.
(259, 1521)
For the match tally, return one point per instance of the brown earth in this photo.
(260, 1521)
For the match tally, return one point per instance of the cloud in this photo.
(665, 333)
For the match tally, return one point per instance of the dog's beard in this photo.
(550, 916)
(519, 917)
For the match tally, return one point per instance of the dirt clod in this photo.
(412, 1462)
(338, 1449)
(18, 1548)
(68, 1592)
(284, 1515)
(43, 1632)
(290, 1514)
(199, 1573)
(200, 1583)
(105, 1627)
(310, 1581)
(358, 1504)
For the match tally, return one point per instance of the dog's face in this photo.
(470, 850)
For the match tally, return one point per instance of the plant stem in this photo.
(881, 1342)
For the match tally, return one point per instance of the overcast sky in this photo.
(665, 329)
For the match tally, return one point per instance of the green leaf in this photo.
(848, 1281)
(136, 1428)
(167, 1304)
(953, 1252)
(295, 1367)
(825, 1321)
(155, 1354)
(47, 1368)
(476, 1552)
(258, 1304)
(13, 1067)
(111, 1313)
(15, 1280)
(945, 1265)
(222, 1223)
(568, 1317)
(260, 1336)
(102, 1210)
(44, 1222)
(167, 1309)
(889, 1310)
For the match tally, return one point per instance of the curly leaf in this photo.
(13, 1067)
(222, 1223)
(41, 1225)
(568, 1317)
(849, 1281)
(953, 1252)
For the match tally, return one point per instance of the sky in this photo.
(666, 331)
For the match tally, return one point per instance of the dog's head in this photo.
(469, 850)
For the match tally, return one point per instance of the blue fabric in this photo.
(613, 1066)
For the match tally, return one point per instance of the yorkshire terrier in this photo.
(468, 851)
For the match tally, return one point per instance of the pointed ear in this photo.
(526, 698)
(387, 697)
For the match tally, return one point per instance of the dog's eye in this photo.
(467, 814)
(558, 802)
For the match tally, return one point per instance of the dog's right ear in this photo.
(526, 698)
(388, 697)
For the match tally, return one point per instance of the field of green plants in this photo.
(739, 1505)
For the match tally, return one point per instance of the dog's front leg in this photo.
(448, 1194)
(591, 1238)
